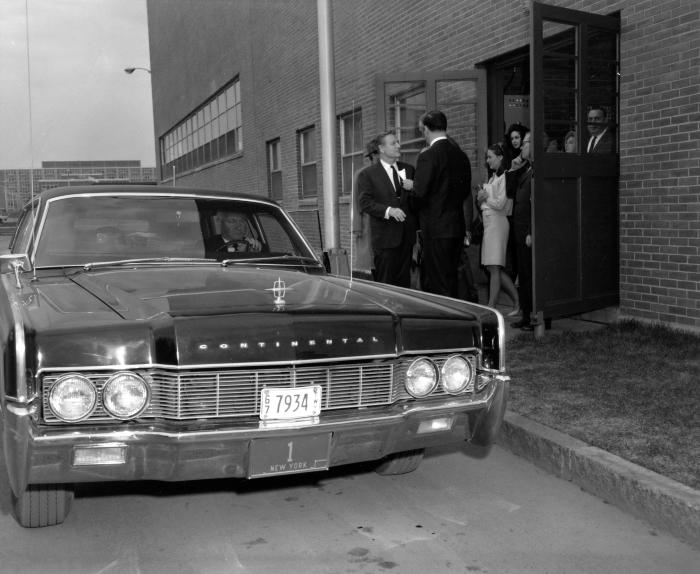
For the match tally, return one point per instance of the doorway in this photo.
(566, 83)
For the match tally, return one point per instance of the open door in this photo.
(574, 79)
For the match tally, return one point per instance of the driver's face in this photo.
(233, 225)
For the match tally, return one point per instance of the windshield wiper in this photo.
(121, 262)
(274, 259)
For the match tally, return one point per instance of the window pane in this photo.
(560, 89)
(308, 146)
(308, 183)
(603, 80)
(458, 100)
(230, 119)
(352, 133)
(276, 185)
(230, 97)
(231, 142)
(351, 163)
(405, 103)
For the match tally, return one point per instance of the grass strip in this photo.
(632, 389)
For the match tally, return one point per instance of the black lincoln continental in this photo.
(173, 334)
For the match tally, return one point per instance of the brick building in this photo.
(237, 105)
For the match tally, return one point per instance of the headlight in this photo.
(125, 395)
(72, 398)
(421, 378)
(456, 374)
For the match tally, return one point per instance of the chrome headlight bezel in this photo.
(421, 367)
(447, 375)
(57, 397)
(110, 392)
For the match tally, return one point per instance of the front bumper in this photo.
(173, 452)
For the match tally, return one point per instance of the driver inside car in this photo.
(236, 235)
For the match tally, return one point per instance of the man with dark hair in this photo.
(384, 194)
(442, 185)
(601, 140)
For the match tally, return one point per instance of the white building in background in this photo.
(16, 184)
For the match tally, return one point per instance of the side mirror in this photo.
(16, 263)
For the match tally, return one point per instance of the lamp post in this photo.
(132, 70)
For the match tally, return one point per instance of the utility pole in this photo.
(328, 137)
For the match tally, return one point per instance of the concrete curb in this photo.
(664, 503)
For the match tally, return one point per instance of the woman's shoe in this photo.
(514, 313)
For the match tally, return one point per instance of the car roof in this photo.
(150, 189)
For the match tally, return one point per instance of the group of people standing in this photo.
(436, 198)
(400, 200)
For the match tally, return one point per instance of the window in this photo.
(403, 98)
(350, 148)
(211, 132)
(404, 103)
(307, 160)
(274, 170)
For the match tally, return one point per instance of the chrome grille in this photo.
(211, 394)
(187, 395)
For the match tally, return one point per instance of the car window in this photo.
(23, 235)
(87, 229)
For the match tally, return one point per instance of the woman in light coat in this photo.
(495, 208)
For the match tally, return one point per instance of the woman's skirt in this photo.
(495, 242)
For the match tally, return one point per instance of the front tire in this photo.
(42, 505)
(401, 462)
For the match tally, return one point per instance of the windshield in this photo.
(89, 229)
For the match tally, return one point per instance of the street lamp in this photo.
(132, 70)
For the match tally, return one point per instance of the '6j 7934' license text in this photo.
(294, 403)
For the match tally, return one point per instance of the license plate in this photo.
(289, 404)
(289, 455)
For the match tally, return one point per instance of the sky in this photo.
(64, 95)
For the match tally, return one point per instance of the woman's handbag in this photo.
(477, 230)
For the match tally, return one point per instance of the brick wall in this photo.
(660, 163)
(273, 45)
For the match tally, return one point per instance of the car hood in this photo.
(202, 316)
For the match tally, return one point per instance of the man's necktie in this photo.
(592, 144)
(397, 181)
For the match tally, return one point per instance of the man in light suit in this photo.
(383, 190)
(442, 185)
(601, 140)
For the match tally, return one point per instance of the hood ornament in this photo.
(279, 290)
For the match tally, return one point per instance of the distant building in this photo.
(15, 184)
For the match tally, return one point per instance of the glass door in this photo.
(574, 93)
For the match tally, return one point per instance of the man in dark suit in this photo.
(383, 190)
(601, 140)
(522, 230)
(442, 185)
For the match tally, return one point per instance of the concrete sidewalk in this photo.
(664, 503)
